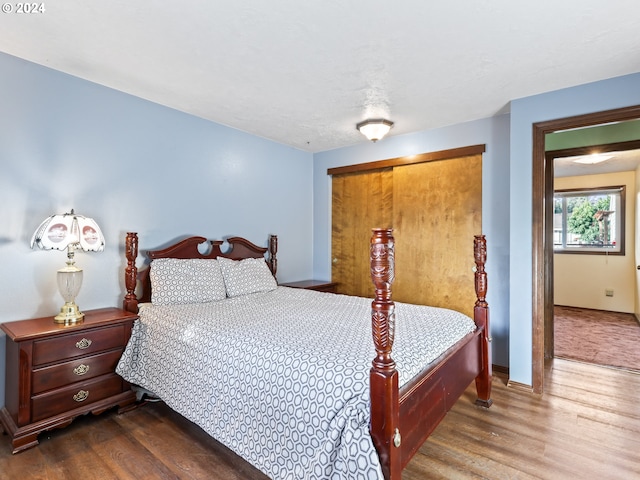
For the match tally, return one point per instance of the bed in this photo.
(289, 378)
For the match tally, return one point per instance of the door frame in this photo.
(542, 228)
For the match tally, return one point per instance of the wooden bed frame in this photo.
(401, 418)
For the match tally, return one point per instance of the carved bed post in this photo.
(481, 317)
(130, 302)
(272, 261)
(385, 407)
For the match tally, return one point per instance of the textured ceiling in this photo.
(303, 73)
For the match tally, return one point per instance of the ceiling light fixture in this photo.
(592, 159)
(374, 129)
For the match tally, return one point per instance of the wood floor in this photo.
(586, 425)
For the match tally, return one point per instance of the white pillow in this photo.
(250, 275)
(192, 280)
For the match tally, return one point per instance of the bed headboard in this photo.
(239, 248)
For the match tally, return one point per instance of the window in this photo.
(589, 221)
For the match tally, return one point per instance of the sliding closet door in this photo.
(360, 202)
(433, 201)
(437, 209)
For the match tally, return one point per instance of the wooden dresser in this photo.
(56, 372)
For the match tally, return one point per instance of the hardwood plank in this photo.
(186, 460)
(586, 425)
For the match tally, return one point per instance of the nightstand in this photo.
(56, 372)
(319, 285)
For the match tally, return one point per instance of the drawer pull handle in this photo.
(81, 396)
(84, 343)
(81, 369)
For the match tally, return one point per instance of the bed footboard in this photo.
(401, 420)
(385, 406)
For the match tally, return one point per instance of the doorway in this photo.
(542, 229)
(594, 239)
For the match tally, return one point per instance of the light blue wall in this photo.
(133, 166)
(594, 97)
(137, 166)
(507, 195)
(494, 132)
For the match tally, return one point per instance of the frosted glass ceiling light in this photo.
(375, 129)
(592, 159)
(71, 232)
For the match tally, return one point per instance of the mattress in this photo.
(282, 377)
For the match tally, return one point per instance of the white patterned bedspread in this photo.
(282, 377)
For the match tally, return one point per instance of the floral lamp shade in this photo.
(70, 232)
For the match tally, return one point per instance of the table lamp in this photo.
(71, 232)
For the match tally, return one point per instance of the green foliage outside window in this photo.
(582, 221)
(587, 221)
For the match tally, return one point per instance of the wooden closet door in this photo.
(360, 202)
(437, 209)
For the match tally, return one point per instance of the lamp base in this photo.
(69, 314)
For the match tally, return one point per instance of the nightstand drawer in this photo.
(48, 364)
(78, 370)
(74, 396)
(83, 343)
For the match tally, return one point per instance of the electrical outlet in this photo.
(609, 292)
